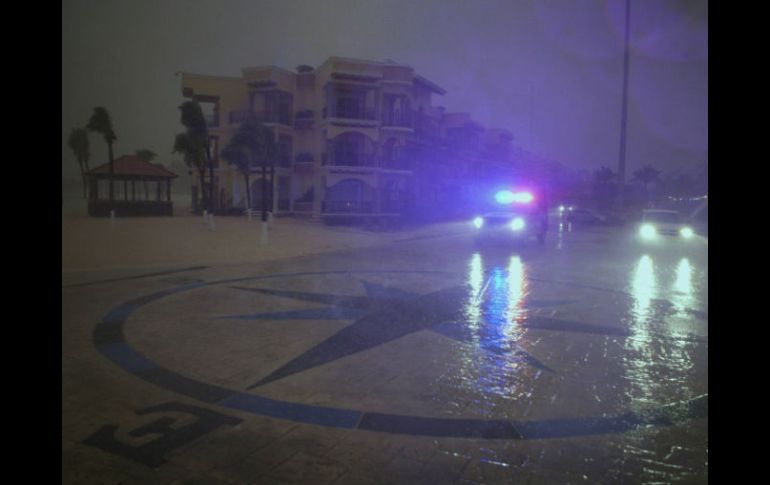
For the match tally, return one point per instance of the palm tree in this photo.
(243, 152)
(267, 153)
(78, 142)
(604, 190)
(146, 154)
(197, 135)
(604, 174)
(646, 175)
(194, 157)
(101, 123)
(252, 145)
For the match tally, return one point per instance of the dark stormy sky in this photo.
(550, 71)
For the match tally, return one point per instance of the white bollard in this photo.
(205, 216)
(112, 217)
(211, 222)
(270, 220)
(263, 236)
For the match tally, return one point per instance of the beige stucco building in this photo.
(354, 137)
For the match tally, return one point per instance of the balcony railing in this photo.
(304, 114)
(239, 116)
(401, 119)
(304, 157)
(351, 113)
(304, 119)
(362, 160)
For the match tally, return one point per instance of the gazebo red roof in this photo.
(133, 166)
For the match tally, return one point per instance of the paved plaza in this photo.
(417, 357)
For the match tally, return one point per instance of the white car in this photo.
(658, 224)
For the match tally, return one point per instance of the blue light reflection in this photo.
(494, 363)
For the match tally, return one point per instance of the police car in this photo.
(515, 215)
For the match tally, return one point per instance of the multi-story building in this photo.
(354, 138)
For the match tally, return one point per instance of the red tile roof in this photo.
(133, 165)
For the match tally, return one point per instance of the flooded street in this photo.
(425, 360)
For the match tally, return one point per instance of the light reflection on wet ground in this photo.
(588, 327)
(663, 305)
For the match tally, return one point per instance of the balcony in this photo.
(239, 116)
(398, 119)
(304, 157)
(351, 113)
(304, 119)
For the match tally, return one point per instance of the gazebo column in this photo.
(168, 190)
(125, 189)
(94, 188)
(133, 189)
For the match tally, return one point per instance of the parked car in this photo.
(589, 216)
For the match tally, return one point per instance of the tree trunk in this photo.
(248, 191)
(83, 179)
(112, 176)
(264, 193)
(202, 173)
(211, 175)
(211, 188)
(271, 202)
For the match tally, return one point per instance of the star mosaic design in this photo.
(386, 314)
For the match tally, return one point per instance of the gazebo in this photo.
(140, 189)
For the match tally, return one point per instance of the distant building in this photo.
(140, 188)
(355, 138)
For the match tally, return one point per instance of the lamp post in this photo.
(624, 115)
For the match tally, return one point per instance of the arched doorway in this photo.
(349, 196)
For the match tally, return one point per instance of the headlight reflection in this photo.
(683, 296)
(643, 288)
(476, 282)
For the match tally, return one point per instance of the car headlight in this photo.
(686, 232)
(517, 224)
(647, 231)
(478, 222)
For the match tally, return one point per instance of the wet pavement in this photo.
(420, 361)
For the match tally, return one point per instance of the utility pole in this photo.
(531, 113)
(624, 116)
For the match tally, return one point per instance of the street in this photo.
(424, 360)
